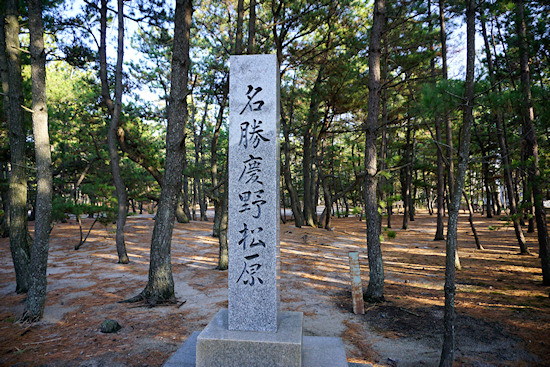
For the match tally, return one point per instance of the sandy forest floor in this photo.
(503, 309)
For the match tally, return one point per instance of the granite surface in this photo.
(219, 346)
(253, 226)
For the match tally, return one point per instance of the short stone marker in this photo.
(356, 283)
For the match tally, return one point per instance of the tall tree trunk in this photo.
(448, 125)
(440, 173)
(384, 145)
(447, 353)
(485, 172)
(531, 146)
(412, 188)
(252, 29)
(238, 50)
(36, 297)
(504, 152)
(294, 201)
(198, 154)
(183, 213)
(375, 289)
(160, 287)
(214, 163)
(4, 175)
(406, 179)
(19, 245)
(439, 236)
(310, 214)
(114, 109)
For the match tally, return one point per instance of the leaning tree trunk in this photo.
(36, 298)
(448, 125)
(531, 146)
(114, 108)
(19, 244)
(447, 353)
(471, 220)
(440, 172)
(160, 286)
(504, 153)
(375, 289)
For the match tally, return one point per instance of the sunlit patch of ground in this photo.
(503, 309)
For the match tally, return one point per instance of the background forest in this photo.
(405, 104)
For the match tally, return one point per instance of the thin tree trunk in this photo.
(294, 201)
(439, 236)
(405, 179)
(310, 215)
(19, 245)
(448, 125)
(223, 257)
(531, 146)
(447, 353)
(504, 153)
(412, 188)
(160, 286)
(471, 220)
(214, 164)
(114, 109)
(198, 175)
(36, 297)
(375, 290)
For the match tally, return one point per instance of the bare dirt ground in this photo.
(503, 309)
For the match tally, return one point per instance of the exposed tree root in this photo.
(152, 301)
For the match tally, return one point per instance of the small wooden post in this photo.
(356, 284)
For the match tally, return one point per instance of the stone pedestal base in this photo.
(218, 346)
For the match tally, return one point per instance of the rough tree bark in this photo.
(160, 286)
(19, 244)
(114, 108)
(36, 297)
(375, 289)
(531, 146)
(447, 352)
(238, 50)
(252, 29)
(4, 175)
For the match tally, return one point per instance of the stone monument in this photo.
(253, 331)
(253, 226)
